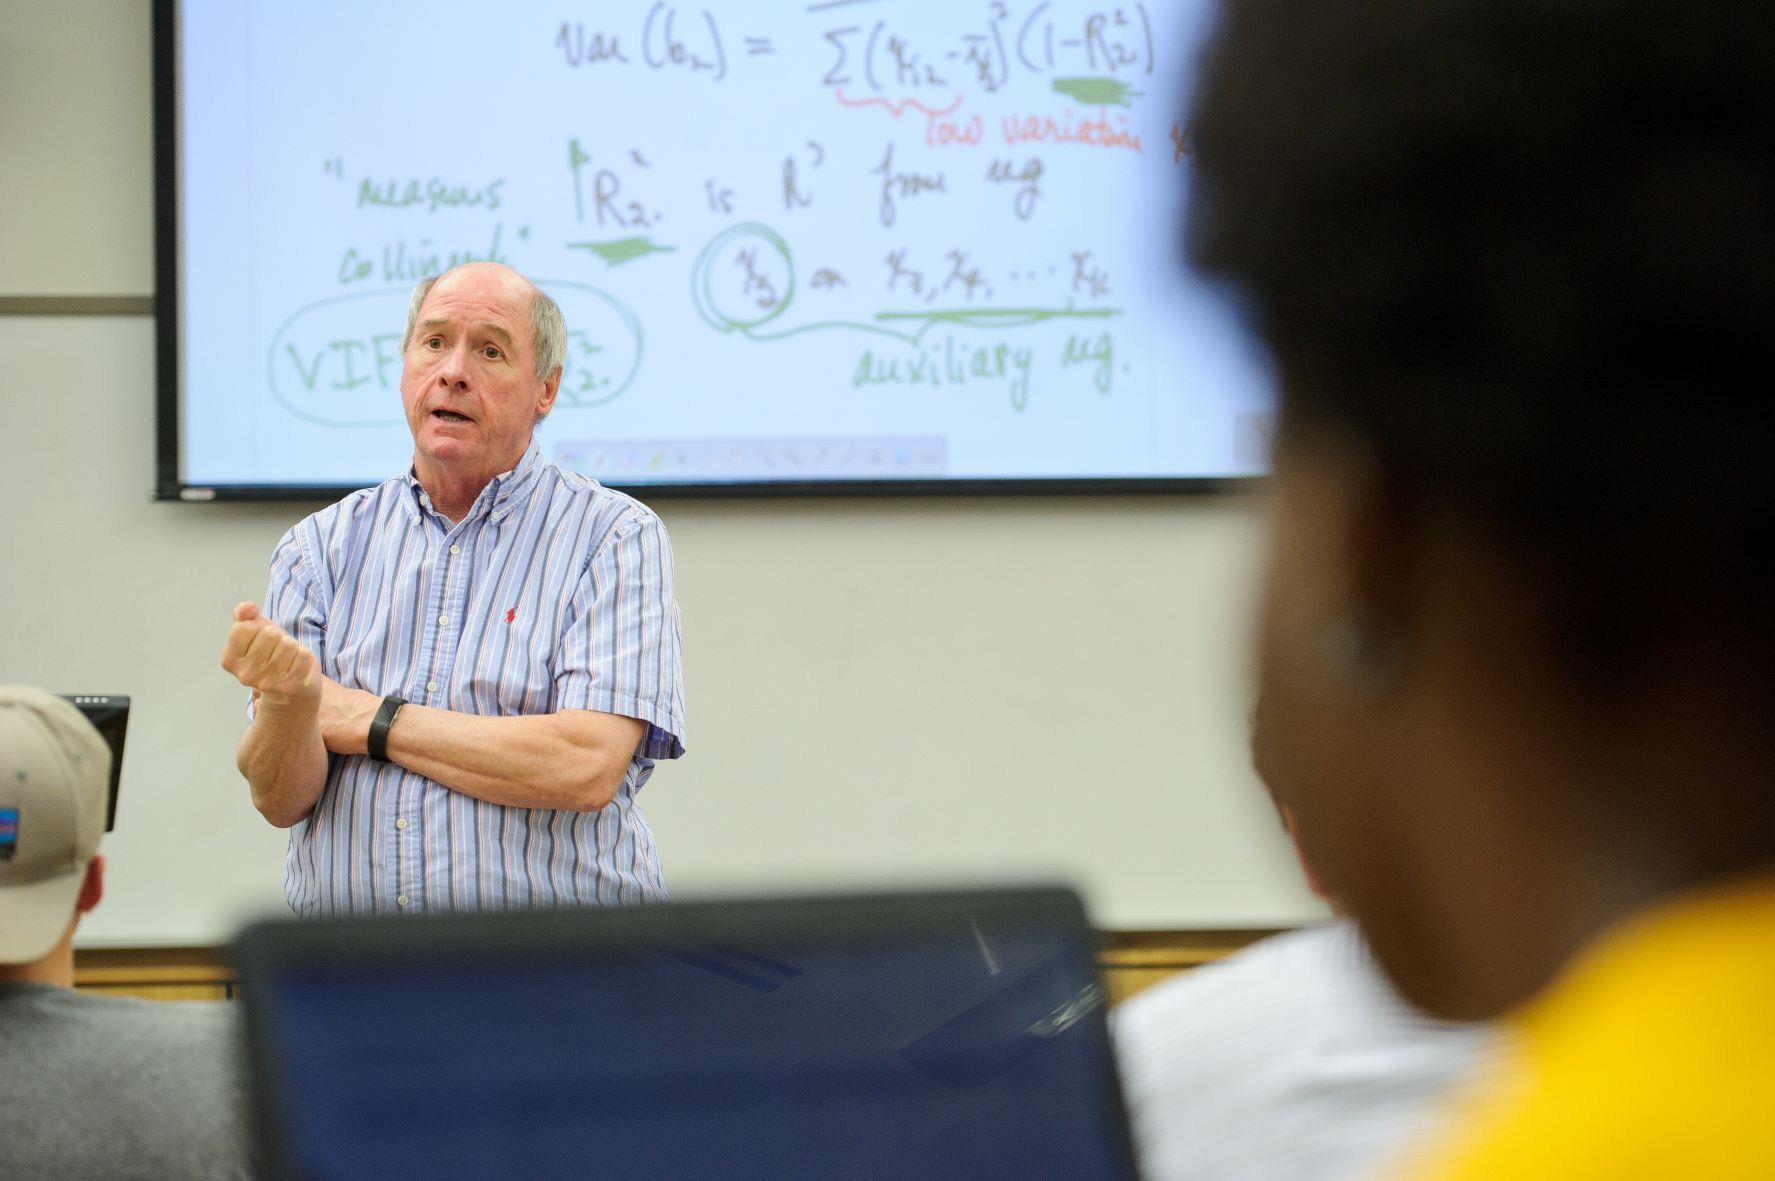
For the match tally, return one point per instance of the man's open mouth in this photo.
(451, 416)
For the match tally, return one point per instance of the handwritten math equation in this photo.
(895, 199)
(882, 55)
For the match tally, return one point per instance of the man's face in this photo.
(468, 381)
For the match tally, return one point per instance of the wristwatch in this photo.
(378, 741)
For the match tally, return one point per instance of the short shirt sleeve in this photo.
(620, 653)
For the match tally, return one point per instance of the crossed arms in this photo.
(574, 759)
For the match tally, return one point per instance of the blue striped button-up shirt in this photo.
(551, 593)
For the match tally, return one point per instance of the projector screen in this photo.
(839, 245)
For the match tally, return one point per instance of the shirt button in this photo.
(455, 549)
(401, 823)
(442, 619)
(400, 900)
(431, 686)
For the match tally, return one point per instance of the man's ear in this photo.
(550, 387)
(1369, 555)
(1385, 556)
(93, 888)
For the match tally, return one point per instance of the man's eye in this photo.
(492, 352)
(434, 342)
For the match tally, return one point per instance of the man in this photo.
(1514, 264)
(462, 677)
(90, 1086)
(1293, 1059)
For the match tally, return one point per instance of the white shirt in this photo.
(1292, 1059)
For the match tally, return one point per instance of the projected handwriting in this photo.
(1088, 279)
(1180, 142)
(1099, 353)
(434, 194)
(406, 263)
(901, 186)
(950, 360)
(793, 196)
(609, 206)
(662, 46)
(966, 278)
(1028, 179)
(1117, 40)
(667, 38)
(1114, 41)
(758, 287)
(579, 51)
(959, 276)
(349, 363)
(327, 368)
(1100, 131)
(898, 270)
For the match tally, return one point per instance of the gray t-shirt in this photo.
(114, 1087)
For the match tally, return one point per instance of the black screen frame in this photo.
(170, 484)
(109, 715)
(269, 951)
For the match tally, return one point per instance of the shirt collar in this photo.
(501, 492)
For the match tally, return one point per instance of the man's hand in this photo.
(281, 754)
(277, 667)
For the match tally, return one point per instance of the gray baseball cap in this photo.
(55, 775)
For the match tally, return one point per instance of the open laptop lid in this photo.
(109, 714)
(883, 1036)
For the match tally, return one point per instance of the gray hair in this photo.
(548, 328)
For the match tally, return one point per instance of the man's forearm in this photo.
(284, 761)
(574, 760)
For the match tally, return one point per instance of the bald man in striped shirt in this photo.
(462, 677)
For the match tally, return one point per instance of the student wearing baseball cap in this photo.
(90, 1085)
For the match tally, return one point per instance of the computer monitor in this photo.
(109, 714)
(885, 1036)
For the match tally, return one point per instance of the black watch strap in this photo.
(378, 742)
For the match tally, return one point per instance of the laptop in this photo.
(912, 1035)
(109, 714)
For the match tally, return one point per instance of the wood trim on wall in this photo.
(1130, 960)
(158, 973)
(76, 305)
(1135, 960)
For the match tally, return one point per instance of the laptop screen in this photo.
(906, 1036)
(109, 715)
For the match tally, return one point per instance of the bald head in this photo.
(548, 330)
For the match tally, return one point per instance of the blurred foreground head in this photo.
(1514, 262)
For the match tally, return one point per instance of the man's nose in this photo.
(453, 373)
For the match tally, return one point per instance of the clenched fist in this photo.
(277, 667)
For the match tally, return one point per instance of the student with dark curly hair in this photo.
(1515, 263)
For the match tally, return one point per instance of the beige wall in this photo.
(880, 691)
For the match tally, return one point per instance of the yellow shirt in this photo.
(1652, 1056)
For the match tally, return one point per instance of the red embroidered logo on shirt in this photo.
(511, 614)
